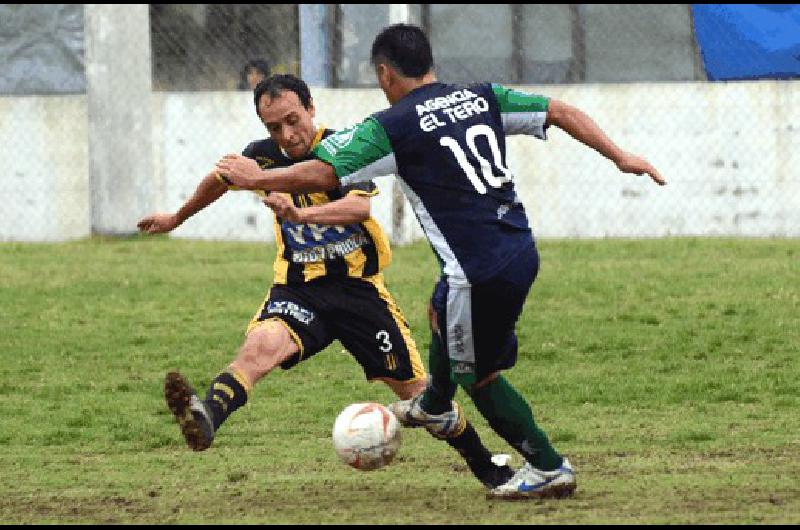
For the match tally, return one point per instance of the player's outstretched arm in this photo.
(308, 176)
(347, 210)
(580, 126)
(209, 190)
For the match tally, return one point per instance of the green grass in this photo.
(667, 370)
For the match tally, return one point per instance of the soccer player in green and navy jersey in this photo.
(328, 285)
(446, 144)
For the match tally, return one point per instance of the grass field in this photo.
(667, 370)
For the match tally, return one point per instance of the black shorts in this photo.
(360, 313)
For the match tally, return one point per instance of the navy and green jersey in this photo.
(447, 145)
(309, 251)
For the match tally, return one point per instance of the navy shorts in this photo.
(477, 322)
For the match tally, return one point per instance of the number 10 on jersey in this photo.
(487, 171)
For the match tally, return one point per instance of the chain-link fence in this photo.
(201, 47)
(110, 112)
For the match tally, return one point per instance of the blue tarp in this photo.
(755, 41)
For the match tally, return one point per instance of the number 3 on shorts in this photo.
(386, 344)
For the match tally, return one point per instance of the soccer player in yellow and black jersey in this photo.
(327, 285)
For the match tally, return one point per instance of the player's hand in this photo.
(158, 223)
(240, 170)
(283, 207)
(630, 163)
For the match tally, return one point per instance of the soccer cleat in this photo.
(492, 476)
(529, 482)
(190, 413)
(446, 425)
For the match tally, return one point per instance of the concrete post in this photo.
(402, 217)
(315, 67)
(119, 87)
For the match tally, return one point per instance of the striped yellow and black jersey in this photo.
(309, 251)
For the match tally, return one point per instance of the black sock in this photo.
(478, 458)
(469, 446)
(226, 394)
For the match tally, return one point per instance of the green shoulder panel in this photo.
(511, 100)
(355, 148)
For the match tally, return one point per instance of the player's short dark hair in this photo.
(275, 84)
(404, 47)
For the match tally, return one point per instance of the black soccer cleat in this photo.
(189, 411)
(492, 475)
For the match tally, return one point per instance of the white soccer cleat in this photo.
(445, 425)
(529, 482)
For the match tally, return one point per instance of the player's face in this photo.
(289, 123)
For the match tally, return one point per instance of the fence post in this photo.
(401, 221)
(315, 62)
(119, 88)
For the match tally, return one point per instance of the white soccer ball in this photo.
(366, 436)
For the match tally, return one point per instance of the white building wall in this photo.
(44, 184)
(730, 152)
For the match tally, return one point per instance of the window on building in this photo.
(206, 46)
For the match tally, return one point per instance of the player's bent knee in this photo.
(406, 389)
(265, 347)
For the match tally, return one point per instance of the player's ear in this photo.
(312, 110)
(383, 73)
